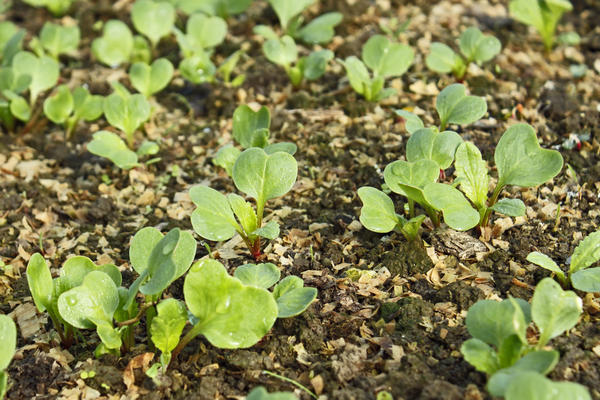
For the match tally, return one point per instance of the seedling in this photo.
(57, 39)
(579, 276)
(109, 145)
(166, 328)
(529, 385)
(474, 46)
(116, 44)
(319, 30)
(283, 51)
(453, 106)
(126, 112)
(153, 19)
(56, 7)
(261, 176)
(260, 393)
(151, 79)
(543, 15)
(68, 107)
(250, 129)
(43, 72)
(520, 162)
(385, 59)
(499, 346)
(221, 8)
(12, 105)
(8, 338)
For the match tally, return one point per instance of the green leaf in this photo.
(142, 244)
(455, 107)
(409, 179)
(167, 325)
(478, 47)
(141, 51)
(204, 32)
(377, 213)
(510, 207)
(510, 351)
(492, 321)
(260, 393)
(320, 30)
(115, 45)
(586, 253)
(226, 157)
(443, 59)
(40, 284)
(43, 71)
(87, 106)
(480, 355)
(426, 144)
(458, 212)
(267, 231)
(587, 280)
(108, 145)
(153, 19)
(58, 39)
(410, 228)
(264, 177)
(359, 77)
(147, 148)
(534, 386)
(251, 128)
(76, 268)
(8, 338)
(90, 304)
(412, 122)
(315, 64)
(230, 315)
(59, 106)
(126, 114)
(259, 275)
(213, 218)
(20, 109)
(149, 80)
(545, 262)
(7, 31)
(244, 212)
(265, 31)
(281, 51)
(292, 297)
(198, 68)
(286, 10)
(520, 160)
(472, 173)
(542, 15)
(286, 147)
(566, 307)
(385, 58)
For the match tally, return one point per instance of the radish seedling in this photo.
(67, 107)
(151, 79)
(8, 338)
(56, 7)
(153, 19)
(543, 15)
(12, 104)
(58, 39)
(43, 71)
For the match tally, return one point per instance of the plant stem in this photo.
(486, 217)
(411, 208)
(433, 215)
(293, 382)
(137, 318)
(192, 333)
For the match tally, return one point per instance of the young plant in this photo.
(56, 7)
(126, 112)
(151, 79)
(67, 107)
(385, 59)
(166, 328)
(500, 346)
(319, 30)
(250, 129)
(153, 19)
(453, 106)
(11, 39)
(261, 176)
(520, 161)
(13, 106)
(283, 51)
(109, 145)
(8, 338)
(543, 15)
(58, 39)
(221, 8)
(474, 46)
(43, 72)
(116, 44)
(579, 276)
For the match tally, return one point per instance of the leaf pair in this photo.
(385, 59)
(543, 15)
(154, 19)
(68, 107)
(58, 39)
(43, 72)
(151, 79)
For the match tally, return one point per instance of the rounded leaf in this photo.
(247, 121)
(59, 106)
(409, 179)
(426, 144)
(386, 58)
(108, 145)
(455, 107)
(213, 218)
(261, 275)
(377, 213)
(8, 338)
(115, 45)
(458, 212)
(153, 19)
(493, 321)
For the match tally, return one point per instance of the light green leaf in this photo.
(412, 122)
(315, 64)
(90, 304)
(244, 212)
(259, 275)
(108, 145)
(534, 386)
(59, 106)
(458, 212)
(545, 262)
(292, 297)
(43, 71)
(260, 393)
(385, 58)
(115, 45)
(510, 207)
(320, 30)
(198, 68)
(8, 338)
(409, 179)
(586, 253)
(140, 249)
(472, 173)
(167, 325)
(149, 80)
(58, 39)
(358, 75)
(126, 114)
(87, 106)
(480, 355)
(264, 177)
(286, 147)
(286, 10)
(76, 268)
(478, 47)
(226, 157)
(426, 144)
(213, 218)
(230, 315)
(40, 284)
(377, 213)
(204, 32)
(153, 19)
(561, 316)
(20, 109)
(251, 128)
(267, 231)
(147, 148)
(281, 51)
(455, 107)
(542, 15)
(265, 31)
(521, 161)
(492, 321)
(587, 280)
(442, 58)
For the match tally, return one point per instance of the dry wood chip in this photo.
(63, 357)
(142, 361)
(27, 319)
(302, 355)
(317, 384)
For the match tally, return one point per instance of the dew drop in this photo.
(72, 301)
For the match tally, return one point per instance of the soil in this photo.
(394, 325)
